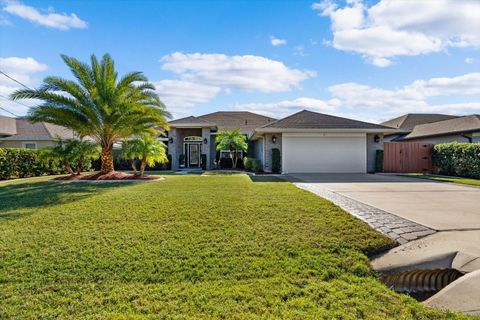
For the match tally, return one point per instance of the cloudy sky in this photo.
(370, 60)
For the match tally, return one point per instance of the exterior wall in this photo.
(258, 150)
(206, 147)
(372, 148)
(267, 150)
(175, 149)
(213, 151)
(18, 143)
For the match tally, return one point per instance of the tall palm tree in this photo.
(98, 104)
(233, 141)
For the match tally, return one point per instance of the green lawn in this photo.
(188, 247)
(460, 180)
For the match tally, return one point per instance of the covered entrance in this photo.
(192, 147)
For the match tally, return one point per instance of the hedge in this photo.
(458, 159)
(276, 162)
(24, 163)
(252, 164)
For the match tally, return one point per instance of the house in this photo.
(407, 122)
(308, 141)
(21, 133)
(460, 129)
(434, 128)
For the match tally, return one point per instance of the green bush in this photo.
(24, 163)
(248, 163)
(203, 161)
(458, 159)
(257, 165)
(379, 161)
(276, 161)
(181, 160)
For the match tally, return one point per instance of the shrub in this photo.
(458, 159)
(379, 161)
(203, 161)
(181, 160)
(276, 161)
(248, 163)
(226, 163)
(24, 163)
(257, 165)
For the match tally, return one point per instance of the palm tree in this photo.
(98, 104)
(71, 153)
(148, 149)
(233, 141)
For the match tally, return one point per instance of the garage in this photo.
(324, 153)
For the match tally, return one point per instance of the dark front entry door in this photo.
(194, 155)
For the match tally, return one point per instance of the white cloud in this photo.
(50, 19)
(21, 69)
(248, 72)
(180, 97)
(277, 42)
(286, 107)
(389, 29)
(469, 60)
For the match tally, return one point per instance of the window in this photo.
(30, 145)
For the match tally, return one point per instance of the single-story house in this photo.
(308, 141)
(435, 128)
(21, 133)
(407, 122)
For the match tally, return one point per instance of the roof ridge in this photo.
(293, 114)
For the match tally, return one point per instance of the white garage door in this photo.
(324, 153)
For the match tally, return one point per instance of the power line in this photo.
(15, 115)
(6, 98)
(9, 77)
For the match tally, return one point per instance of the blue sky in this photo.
(369, 60)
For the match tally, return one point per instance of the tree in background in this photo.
(147, 149)
(73, 154)
(98, 104)
(233, 141)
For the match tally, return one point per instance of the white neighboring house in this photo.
(21, 133)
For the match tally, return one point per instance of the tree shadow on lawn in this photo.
(41, 194)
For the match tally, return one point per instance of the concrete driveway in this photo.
(437, 205)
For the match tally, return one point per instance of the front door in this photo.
(194, 155)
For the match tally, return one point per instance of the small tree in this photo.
(72, 153)
(233, 141)
(148, 149)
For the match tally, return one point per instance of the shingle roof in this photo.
(191, 121)
(7, 126)
(463, 124)
(246, 121)
(408, 121)
(27, 130)
(312, 120)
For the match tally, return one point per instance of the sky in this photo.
(367, 60)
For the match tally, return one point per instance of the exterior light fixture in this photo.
(170, 139)
(376, 138)
(205, 141)
(274, 139)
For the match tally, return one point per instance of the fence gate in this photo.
(408, 157)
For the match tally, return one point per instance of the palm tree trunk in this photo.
(106, 159)
(79, 167)
(68, 167)
(143, 164)
(134, 166)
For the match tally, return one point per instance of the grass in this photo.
(460, 180)
(188, 247)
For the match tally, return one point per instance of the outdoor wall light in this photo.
(170, 139)
(376, 139)
(205, 141)
(274, 139)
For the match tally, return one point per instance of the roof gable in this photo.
(408, 121)
(246, 121)
(27, 130)
(456, 125)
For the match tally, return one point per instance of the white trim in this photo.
(29, 142)
(324, 134)
(358, 130)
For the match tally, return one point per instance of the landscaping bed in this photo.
(189, 247)
(112, 176)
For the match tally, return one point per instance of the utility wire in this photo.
(15, 80)
(6, 98)
(13, 114)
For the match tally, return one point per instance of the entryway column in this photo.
(206, 146)
(173, 148)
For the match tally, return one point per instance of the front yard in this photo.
(188, 247)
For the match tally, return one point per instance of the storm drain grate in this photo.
(421, 284)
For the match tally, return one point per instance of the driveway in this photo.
(437, 205)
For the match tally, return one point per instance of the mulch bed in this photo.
(112, 176)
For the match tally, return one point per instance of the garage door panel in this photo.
(324, 154)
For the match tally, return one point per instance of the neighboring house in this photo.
(21, 133)
(407, 122)
(308, 141)
(460, 129)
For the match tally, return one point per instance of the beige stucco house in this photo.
(21, 133)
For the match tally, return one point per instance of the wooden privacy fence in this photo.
(408, 157)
